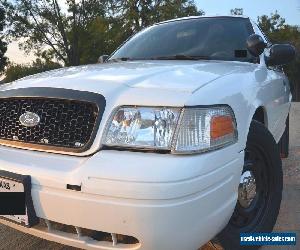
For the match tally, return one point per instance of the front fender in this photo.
(243, 91)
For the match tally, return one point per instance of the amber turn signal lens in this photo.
(221, 126)
(203, 129)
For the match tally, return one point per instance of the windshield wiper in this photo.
(120, 59)
(180, 57)
(175, 57)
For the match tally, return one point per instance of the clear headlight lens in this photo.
(205, 129)
(142, 127)
(182, 131)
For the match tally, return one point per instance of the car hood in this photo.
(183, 76)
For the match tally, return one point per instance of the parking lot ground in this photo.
(288, 220)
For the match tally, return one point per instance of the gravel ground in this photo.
(288, 220)
(289, 217)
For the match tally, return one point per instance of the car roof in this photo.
(204, 16)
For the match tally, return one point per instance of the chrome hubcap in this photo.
(247, 189)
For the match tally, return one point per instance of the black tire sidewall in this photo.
(261, 138)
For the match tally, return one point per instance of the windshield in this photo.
(218, 38)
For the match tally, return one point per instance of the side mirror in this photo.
(256, 45)
(103, 58)
(280, 54)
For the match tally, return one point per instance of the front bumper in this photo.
(165, 201)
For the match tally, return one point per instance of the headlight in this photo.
(142, 127)
(182, 131)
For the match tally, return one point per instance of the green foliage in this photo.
(78, 32)
(139, 14)
(17, 71)
(279, 32)
(52, 28)
(3, 45)
(130, 16)
(271, 24)
(237, 11)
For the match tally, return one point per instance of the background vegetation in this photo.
(3, 45)
(17, 71)
(278, 31)
(78, 32)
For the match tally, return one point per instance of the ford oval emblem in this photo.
(29, 119)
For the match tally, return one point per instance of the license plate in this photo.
(15, 192)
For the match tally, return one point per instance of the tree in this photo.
(138, 14)
(3, 45)
(50, 26)
(17, 71)
(131, 16)
(237, 11)
(272, 23)
(278, 31)
(78, 32)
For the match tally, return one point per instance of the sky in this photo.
(289, 9)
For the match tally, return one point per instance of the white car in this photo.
(170, 142)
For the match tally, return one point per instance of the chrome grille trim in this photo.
(62, 111)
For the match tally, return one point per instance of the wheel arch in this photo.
(257, 113)
(260, 115)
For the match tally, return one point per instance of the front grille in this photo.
(63, 123)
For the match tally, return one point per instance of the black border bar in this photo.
(26, 181)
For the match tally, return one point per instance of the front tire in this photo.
(260, 189)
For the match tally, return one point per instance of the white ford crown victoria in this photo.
(175, 139)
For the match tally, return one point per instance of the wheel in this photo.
(260, 189)
(283, 144)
